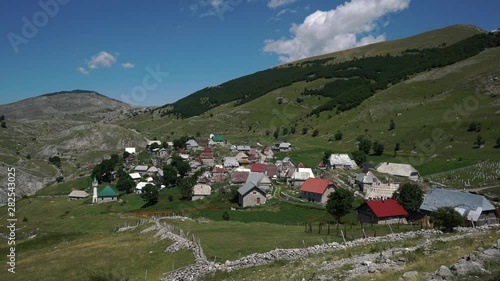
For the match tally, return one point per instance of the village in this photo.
(257, 176)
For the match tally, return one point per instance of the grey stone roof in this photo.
(367, 178)
(78, 193)
(397, 169)
(438, 197)
(253, 180)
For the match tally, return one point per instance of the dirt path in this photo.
(482, 188)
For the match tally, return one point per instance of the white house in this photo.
(301, 175)
(201, 191)
(191, 144)
(336, 161)
(366, 180)
(135, 176)
(130, 150)
(284, 146)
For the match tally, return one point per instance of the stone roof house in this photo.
(473, 207)
(192, 144)
(397, 169)
(365, 180)
(77, 195)
(201, 191)
(251, 195)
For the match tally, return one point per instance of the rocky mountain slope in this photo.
(80, 104)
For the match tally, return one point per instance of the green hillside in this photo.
(370, 72)
(432, 111)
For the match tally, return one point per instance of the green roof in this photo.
(107, 191)
(218, 138)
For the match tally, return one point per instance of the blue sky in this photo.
(154, 52)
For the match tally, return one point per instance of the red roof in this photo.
(206, 155)
(315, 185)
(207, 150)
(301, 165)
(258, 167)
(386, 208)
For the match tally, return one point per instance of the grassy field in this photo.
(481, 174)
(307, 268)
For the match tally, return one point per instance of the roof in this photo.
(135, 176)
(192, 143)
(386, 208)
(202, 189)
(255, 178)
(218, 138)
(154, 141)
(341, 159)
(153, 169)
(243, 148)
(78, 193)
(396, 169)
(301, 165)
(141, 168)
(303, 174)
(380, 191)
(284, 145)
(141, 185)
(249, 186)
(206, 155)
(231, 162)
(107, 191)
(239, 177)
(258, 167)
(367, 178)
(271, 170)
(130, 150)
(317, 186)
(438, 197)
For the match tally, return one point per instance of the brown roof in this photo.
(218, 178)
(239, 177)
(271, 170)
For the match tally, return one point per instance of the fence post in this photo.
(342, 235)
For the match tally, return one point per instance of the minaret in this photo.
(94, 186)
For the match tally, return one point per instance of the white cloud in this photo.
(128, 65)
(284, 11)
(278, 3)
(346, 26)
(82, 70)
(214, 7)
(101, 60)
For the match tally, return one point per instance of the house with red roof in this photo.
(316, 190)
(381, 212)
(258, 167)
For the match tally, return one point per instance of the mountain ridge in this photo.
(83, 103)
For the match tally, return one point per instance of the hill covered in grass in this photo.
(355, 79)
(432, 107)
